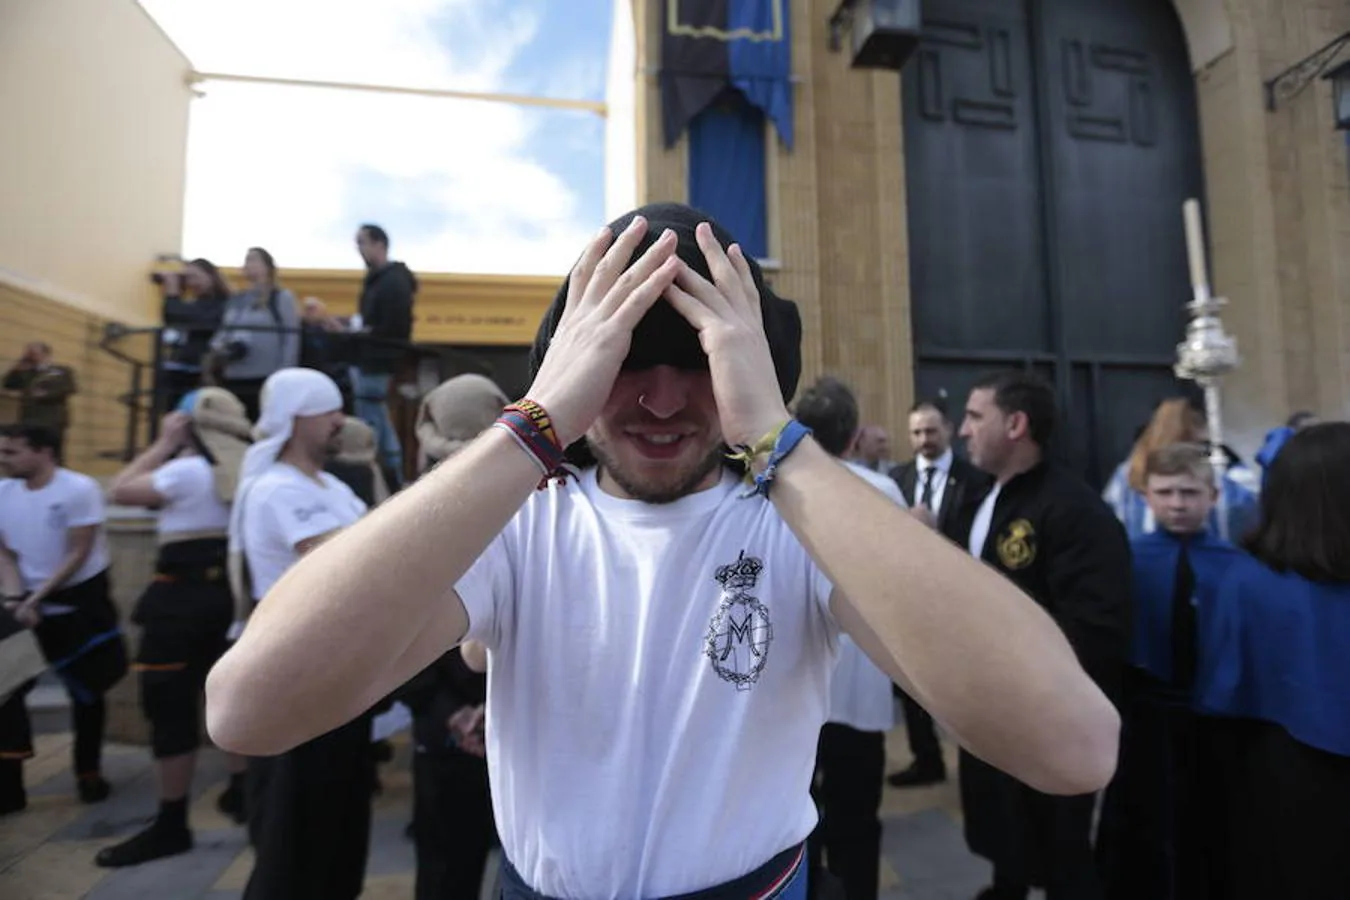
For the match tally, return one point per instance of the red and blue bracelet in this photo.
(530, 425)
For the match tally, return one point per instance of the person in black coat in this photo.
(941, 485)
(384, 325)
(1052, 535)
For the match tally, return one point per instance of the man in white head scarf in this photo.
(309, 809)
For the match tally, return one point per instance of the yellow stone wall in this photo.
(36, 312)
(94, 104)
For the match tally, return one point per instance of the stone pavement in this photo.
(46, 852)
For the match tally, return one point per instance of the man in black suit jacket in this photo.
(939, 484)
(1045, 530)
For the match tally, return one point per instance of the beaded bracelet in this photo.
(778, 443)
(540, 443)
(539, 416)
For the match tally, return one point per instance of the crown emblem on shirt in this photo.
(740, 575)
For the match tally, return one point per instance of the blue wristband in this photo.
(788, 440)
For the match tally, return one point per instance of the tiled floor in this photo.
(46, 852)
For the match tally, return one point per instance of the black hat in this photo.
(664, 337)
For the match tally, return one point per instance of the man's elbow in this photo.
(1080, 757)
(236, 720)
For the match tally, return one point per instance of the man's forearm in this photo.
(70, 564)
(381, 590)
(11, 582)
(150, 459)
(979, 654)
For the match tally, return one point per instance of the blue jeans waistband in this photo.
(781, 878)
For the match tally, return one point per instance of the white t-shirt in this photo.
(650, 731)
(284, 507)
(189, 487)
(984, 519)
(34, 525)
(860, 694)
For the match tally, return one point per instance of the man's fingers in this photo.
(611, 266)
(657, 255)
(704, 290)
(580, 276)
(635, 304)
(747, 278)
(723, 273)
(686, 304)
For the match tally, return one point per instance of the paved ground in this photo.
(46, 852)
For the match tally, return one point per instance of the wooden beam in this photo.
(594, 106)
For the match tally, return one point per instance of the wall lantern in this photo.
(1286, 85)
(884, 33)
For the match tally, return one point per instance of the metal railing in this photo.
(149, 384)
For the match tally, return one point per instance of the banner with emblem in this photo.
(708, 46)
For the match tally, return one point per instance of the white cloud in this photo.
(458, 183)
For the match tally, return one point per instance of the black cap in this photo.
(664, 337)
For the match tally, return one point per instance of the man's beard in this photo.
(668, 493)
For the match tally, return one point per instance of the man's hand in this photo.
(173, 431)
(604, 304)
(25, 612)
(730, 324)
(467, 729)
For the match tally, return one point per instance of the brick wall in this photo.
(837, 210)
(31, 312)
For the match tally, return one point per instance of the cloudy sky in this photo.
(460, 186)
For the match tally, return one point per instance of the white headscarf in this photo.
(286, 395)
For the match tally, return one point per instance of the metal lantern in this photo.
(1208, 353)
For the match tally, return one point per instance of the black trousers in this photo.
(850, 767)
(309, 817)
(88, 718)
(453, 826)
(922, 734)
(1148, 840)
(89, 655)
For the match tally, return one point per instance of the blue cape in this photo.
(1276, 438)
(1155, 558)
(1276, 647)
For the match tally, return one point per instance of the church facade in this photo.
(1014, 196)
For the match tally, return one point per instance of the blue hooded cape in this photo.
(1155, 558)
(1276, 647)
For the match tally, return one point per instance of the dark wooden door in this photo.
(1049, 145)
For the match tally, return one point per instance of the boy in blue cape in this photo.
(1148, 843)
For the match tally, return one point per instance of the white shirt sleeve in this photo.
(85, 506)
(174, 480)
(486, 591)
(892, 490)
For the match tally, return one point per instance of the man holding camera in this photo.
(44, 391)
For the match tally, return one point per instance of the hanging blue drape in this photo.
(727, 169)
(710, 45)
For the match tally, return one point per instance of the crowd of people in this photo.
(651, 620)
(235, 340)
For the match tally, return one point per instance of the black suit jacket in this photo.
(966, 487)
(1056, 539)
